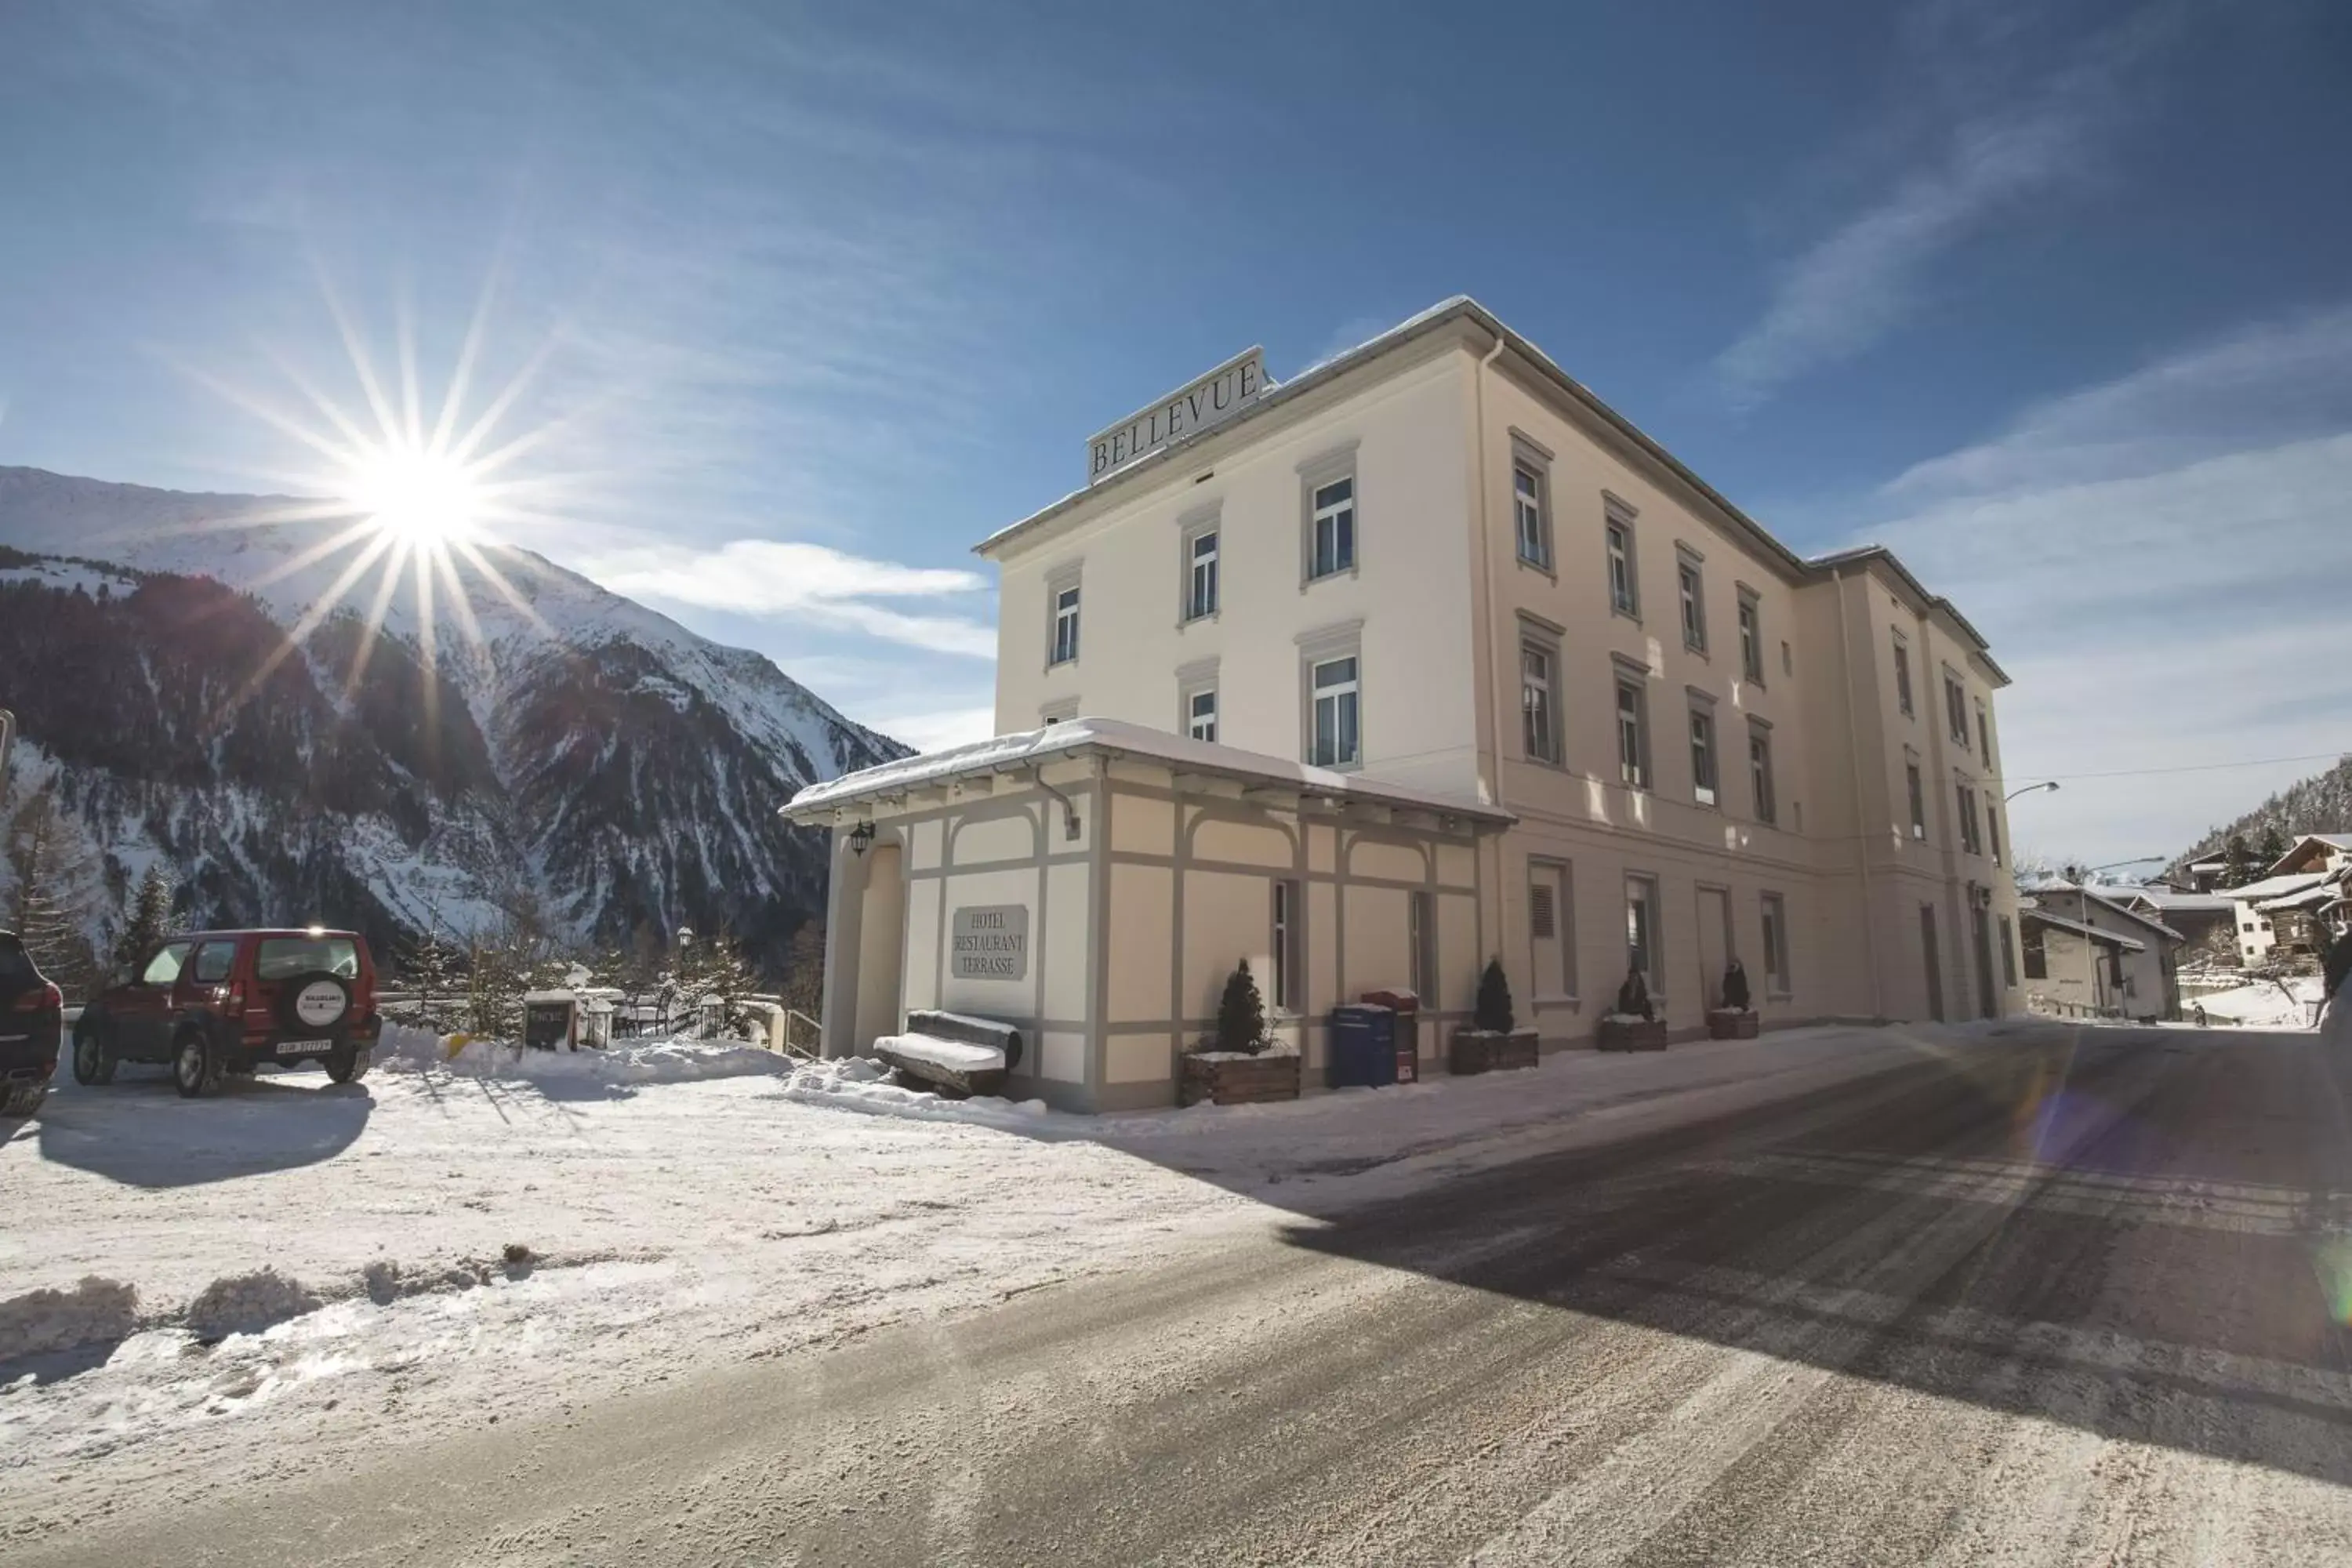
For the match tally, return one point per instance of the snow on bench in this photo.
(954, 1052)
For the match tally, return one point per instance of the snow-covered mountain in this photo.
(573, 753)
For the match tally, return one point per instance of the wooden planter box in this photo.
(1727, 1024)
(1488, 1050)
(1636, 1037)
(1220, 1079)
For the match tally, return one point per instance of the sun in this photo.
(416, 496)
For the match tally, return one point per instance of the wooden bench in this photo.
(954, 1053)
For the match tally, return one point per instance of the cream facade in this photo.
(1605, 718)
(1138, 870)
(1708, 745)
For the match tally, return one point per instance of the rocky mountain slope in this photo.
(543, 747)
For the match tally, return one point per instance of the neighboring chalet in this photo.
(2089, 953)
(2302, 902)
(2207, 923)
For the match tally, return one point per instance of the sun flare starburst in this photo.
(416, 502)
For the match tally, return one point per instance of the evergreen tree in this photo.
(1241, 1014)
(150, 921)
(53, 880)
(1494, 1010)
(2274, 846)
(2238, 862)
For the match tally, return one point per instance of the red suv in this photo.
(230, 1001)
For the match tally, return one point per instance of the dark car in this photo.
(223, 1002)
(32, 1025)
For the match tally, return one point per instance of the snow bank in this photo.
(2263, 1006)
(93, 1312)
(249, 1303)
(628, 1064)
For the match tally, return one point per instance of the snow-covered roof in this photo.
(2276, 887)
(2112, 899)
(2314, 897)
(1024, 749)
(2043, 917)
(2166, 901)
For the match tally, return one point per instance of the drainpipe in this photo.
(1862, 840)
(1494, 606)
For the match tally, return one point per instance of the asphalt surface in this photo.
(2053, 1300)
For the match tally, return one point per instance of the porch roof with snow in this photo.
(2276, 888)
(1024, 752)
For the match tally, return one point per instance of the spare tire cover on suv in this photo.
(314, 1000)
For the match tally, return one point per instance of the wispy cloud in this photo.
(2158, 561)
(2002, 153)
(775, 578)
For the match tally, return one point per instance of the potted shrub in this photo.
(1492, 1043)
(1736, 1019)
(1238, 1065)
(1634, 1025)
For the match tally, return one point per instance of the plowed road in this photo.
(2052, 1299)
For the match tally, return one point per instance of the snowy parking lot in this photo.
(298, 1270)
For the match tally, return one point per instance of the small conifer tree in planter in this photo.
(1238, 1064)
(1241, 1014)
(1494, 1040)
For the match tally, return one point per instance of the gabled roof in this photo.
(2276, 887)
(2340, 843)
(2111, 898)
(1447, 312)
(2165, 901)
(2113, 938)
(1023, 751)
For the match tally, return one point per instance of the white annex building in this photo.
(1425, 656)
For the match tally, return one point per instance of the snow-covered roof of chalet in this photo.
(2110, 897)
(1462, 308)
(2338, 841)
(2114, 939)
(2276, 887)
(1024, 749)
(2318, 896)
(2166, 900)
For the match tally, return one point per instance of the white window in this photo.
(1286, 937)
(1624, 590)
(1337, 742)
(1632, 734)
(1694, 599)
(1992, 829)
(1541, 729)
(1201, 592)
(1333, 526)
(1984, 736)
(1970, 840)
(1776, 945)
(1642, 937)
(1918, 802)
(1528, 507)
(1201, 714)
(1702, 742)
(1902, 675)
(1751, 638)
(1760, 774)
(1066, 624)
(1956, 709)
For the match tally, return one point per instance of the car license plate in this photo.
(304, 1047)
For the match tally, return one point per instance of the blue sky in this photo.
(2055, 297)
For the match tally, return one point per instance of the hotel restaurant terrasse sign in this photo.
(992, 943)
(1212, 400)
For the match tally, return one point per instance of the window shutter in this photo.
(1541, 916)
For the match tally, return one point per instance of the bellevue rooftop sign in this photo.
(1212, 400)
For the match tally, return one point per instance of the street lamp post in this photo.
(2051, 784)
